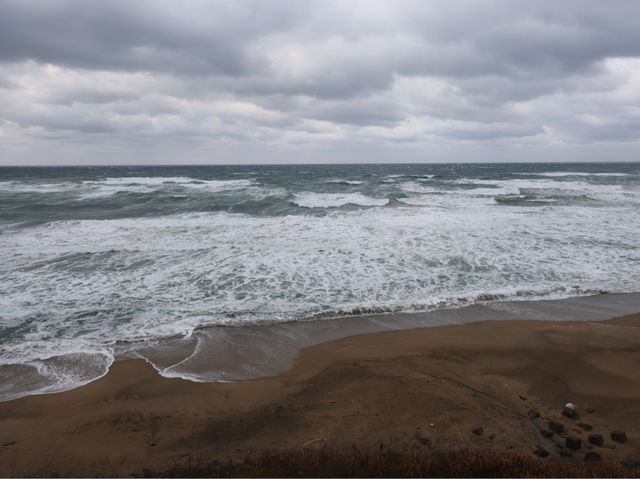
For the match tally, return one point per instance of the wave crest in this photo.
(307, 199)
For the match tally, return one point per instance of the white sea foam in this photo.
(30, 187)
(307, 199)
(219, 185)
(413, 187)
(109, 186)
(573, 173)
(52, 374)
(153, 182)
(611, 194)
(141, 180)
(346, 182)
(112, 186)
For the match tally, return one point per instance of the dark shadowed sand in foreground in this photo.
(421, 389)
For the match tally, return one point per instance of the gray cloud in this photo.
(317, 74)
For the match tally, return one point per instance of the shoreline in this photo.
(231, 353)
(218, 353)
(420, 389)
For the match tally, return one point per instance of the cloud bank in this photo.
(254, 81)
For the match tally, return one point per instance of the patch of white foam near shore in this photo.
(224, 354)
(52, 374)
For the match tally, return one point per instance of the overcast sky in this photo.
(95, 82)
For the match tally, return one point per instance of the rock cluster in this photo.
(572, 442)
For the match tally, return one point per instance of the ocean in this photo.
(106, 262)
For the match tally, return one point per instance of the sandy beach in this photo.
(414, 389)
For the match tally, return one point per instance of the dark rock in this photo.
(533, 414)
(559, 445)
(491, 436)
(10, 443)
(591, 410)
(592, 457)
(541, 452)
(546, 433)
(596, 439)
(630, 463)
(152, 444)
(477, 430)
(556, 427)
(569, 412)
(422, 439)
(523, 397)
(585, 426)
(610, 446)
(619, 436)
(573, 443)
(565, 453)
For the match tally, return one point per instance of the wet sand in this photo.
(420, 388)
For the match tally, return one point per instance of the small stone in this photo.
(477, 430)
(585, 426)
(619, 436)
(573, 443)
(566, 453)
(491, 436)
(152, 444)
(422, 439)
(10, 443)
(592, 457)
(610, 446)
(591, 410)
(533, 414)
(570, 412)
(559, 445)
(556, 427)
(630, 463)
(596, 439)
(541, 452)
(546, 433)
(432, 424)
(523, 397)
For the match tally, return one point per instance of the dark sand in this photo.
(421, 388)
